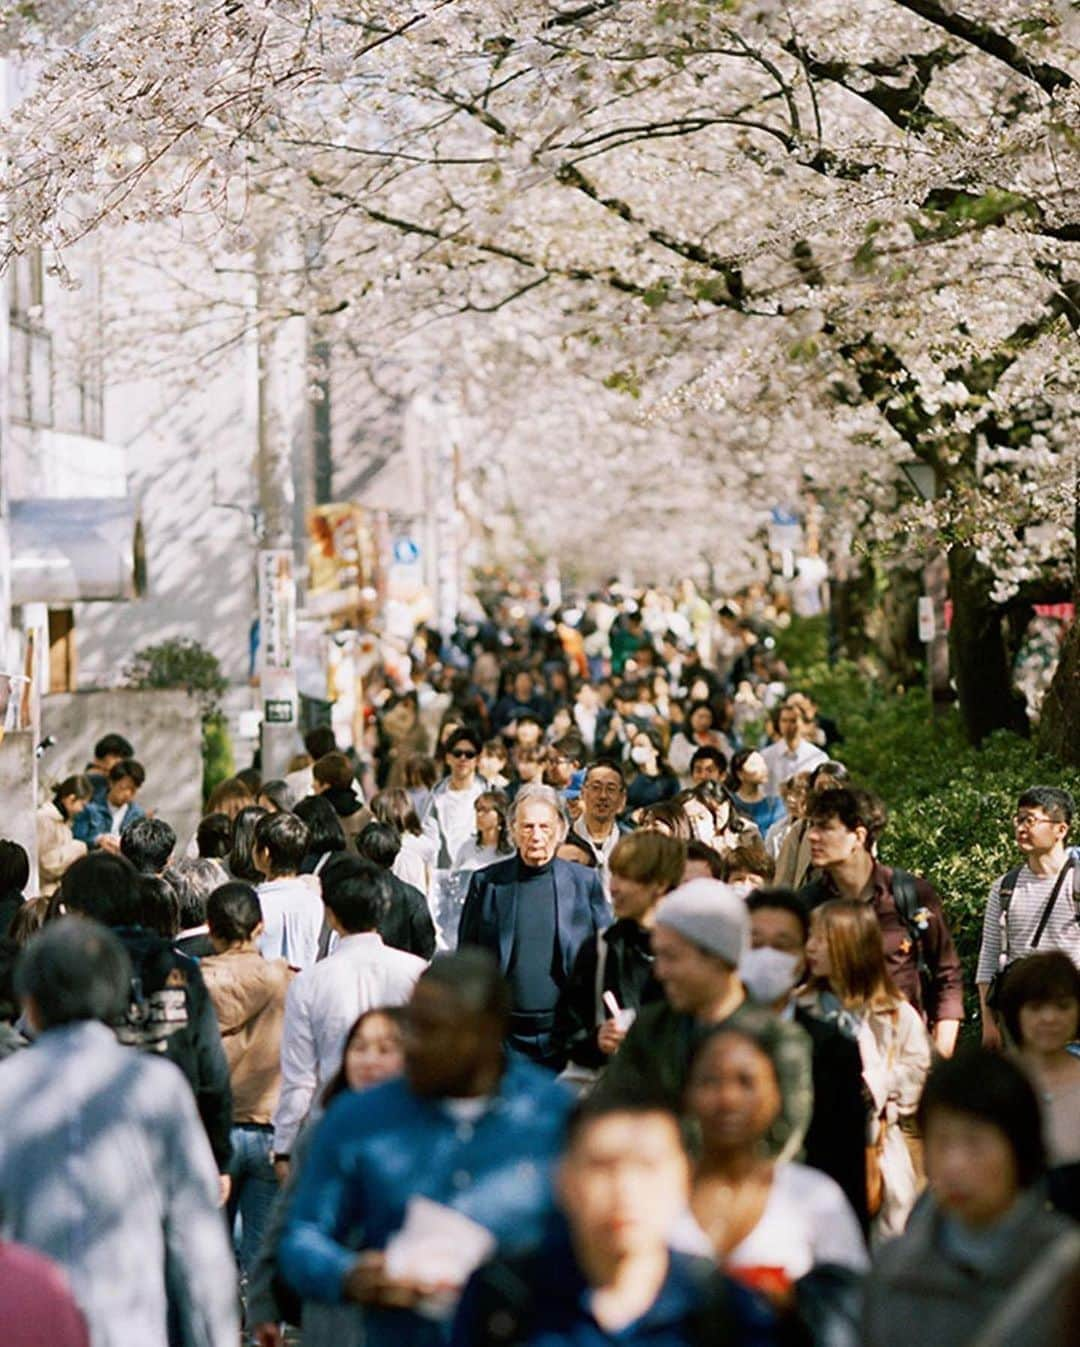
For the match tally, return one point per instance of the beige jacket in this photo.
(248, 994)
(56, 848)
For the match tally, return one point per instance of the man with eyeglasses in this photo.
(603, 798)
(1020, 899)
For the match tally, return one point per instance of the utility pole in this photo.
(275, 558)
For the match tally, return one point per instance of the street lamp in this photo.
(922, 477)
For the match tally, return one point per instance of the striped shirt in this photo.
(1026, 906)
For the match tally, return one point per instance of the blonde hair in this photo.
(649, 858)
(859, 976)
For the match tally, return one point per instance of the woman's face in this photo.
(632, 899)
(701, 720)
(733, 1094)
(374, 1053)
(701, 820)
(73, 805)
(487, 818)
(818, 962)
(491, 766)
(971, 1166)
(1049, 1026)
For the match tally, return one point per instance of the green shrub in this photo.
(186, 664)
(950, 805)
(217, 754)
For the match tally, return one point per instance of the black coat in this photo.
(489, 916)
(192, 1041)
(628, 975)
(408, 924)
(836, 1138)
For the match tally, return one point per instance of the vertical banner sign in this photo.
(927, 622)
(277, 635)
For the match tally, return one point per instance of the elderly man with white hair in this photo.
(534, 912)
(700, 934)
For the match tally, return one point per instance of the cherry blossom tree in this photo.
(692, 259)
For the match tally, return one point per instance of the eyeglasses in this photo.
(1030, 820)
(462, 753)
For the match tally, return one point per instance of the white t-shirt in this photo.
(807, 1221)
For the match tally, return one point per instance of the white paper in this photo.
(440, 1247)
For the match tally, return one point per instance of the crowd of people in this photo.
(582, 1002)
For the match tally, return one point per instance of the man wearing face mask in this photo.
(771, 969)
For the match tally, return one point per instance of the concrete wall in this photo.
(17, 791)
(165, 729)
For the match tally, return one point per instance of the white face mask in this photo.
(767, 974)
(641, 754)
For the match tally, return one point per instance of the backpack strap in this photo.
(1006, 889)
(906, 898)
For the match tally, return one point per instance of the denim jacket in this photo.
(376, 1149)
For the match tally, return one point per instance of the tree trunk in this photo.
(849, 609)
(980, 658)
(1059, 723)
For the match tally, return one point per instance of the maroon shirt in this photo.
(901, 956)
(36, 1307)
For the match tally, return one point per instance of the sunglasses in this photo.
(463, 753)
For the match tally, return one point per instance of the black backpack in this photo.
(906, 897)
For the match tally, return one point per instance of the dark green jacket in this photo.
(655, 1057)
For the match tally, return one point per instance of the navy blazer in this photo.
(489, 916)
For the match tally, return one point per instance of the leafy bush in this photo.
(186, 664)
(950, 805)
(217, 754)
(181, 663)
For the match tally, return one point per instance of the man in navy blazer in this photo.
(534, 912)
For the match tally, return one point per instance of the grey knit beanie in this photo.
(711, 915)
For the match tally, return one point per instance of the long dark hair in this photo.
(241, 862)
(338, 1083)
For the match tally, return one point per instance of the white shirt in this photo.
(807, 1221)
(414, 862)
(292, 912)
(783, 762)
(321, 1006)
(602, 850)
(1029, 899)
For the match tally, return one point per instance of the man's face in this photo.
(1036, 831)
(443, 1042)
(831, 843)
(776, 928)
(462, 759)
(122, 792)
(537, 832)
(705, 769)
(692, 979)
(604, 795)
(523, 687)
(623, 1183)
(560, 769)
(790, 725)
(108, 761)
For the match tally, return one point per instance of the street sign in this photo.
(927, 624)
(279, 712)
(277, 609)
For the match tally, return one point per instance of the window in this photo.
(61, 650)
